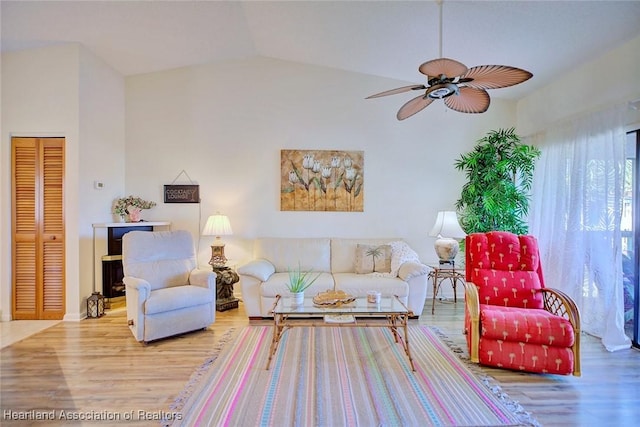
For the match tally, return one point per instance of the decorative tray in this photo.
(333, 298)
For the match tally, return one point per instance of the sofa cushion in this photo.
(500, 250)
(289, 253)
(373, 258)
(533, 326)
(277, 285)
(162, 258)
(261, 269)
(521, 356)
(505, 268)
(343, 253)
(401, 253)
(359, 284)
(177, 297)
(509, 288)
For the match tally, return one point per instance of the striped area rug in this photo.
(339, 377)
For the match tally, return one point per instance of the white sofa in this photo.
(266, 275)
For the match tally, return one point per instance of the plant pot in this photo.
(298, 297)
(134, 214)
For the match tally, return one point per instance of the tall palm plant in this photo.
(499, 174)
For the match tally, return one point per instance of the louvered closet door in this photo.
(38, 228)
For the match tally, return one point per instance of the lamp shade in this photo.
(217, 225)
(447, 226)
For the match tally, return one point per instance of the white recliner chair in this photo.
(166, 294)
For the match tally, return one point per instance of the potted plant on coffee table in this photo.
(299, 281)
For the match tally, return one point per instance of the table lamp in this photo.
(448, 232)
(217, 225)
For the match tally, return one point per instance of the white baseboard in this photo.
(74, 317)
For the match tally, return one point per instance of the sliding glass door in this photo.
(631, 239)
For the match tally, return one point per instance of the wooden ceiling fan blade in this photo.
(449, 67)
(469, 100)
(397, 90)
(414, 106)
(494, 76)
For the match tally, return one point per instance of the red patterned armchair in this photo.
(511, 320)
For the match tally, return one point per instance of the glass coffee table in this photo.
(389, 313)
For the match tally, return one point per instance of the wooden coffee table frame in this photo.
(365, 315)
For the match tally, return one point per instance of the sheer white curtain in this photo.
(575, 212)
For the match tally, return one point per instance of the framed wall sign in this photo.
(182, 193)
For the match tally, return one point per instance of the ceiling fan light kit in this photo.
(462, 89)
(442, 90)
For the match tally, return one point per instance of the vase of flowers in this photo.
(130, 208)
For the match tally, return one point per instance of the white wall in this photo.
(225, 124)
(63, 91)
(611, 79)
(40, 98)
(102, 102)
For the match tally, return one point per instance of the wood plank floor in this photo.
(96, 367)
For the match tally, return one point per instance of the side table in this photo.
(225, 278)
(442, 272)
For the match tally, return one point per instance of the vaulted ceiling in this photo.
(382, 38)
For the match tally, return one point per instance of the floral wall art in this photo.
(322, 180)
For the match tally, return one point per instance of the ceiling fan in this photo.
(462, 89)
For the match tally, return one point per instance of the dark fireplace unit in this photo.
(112, 274)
